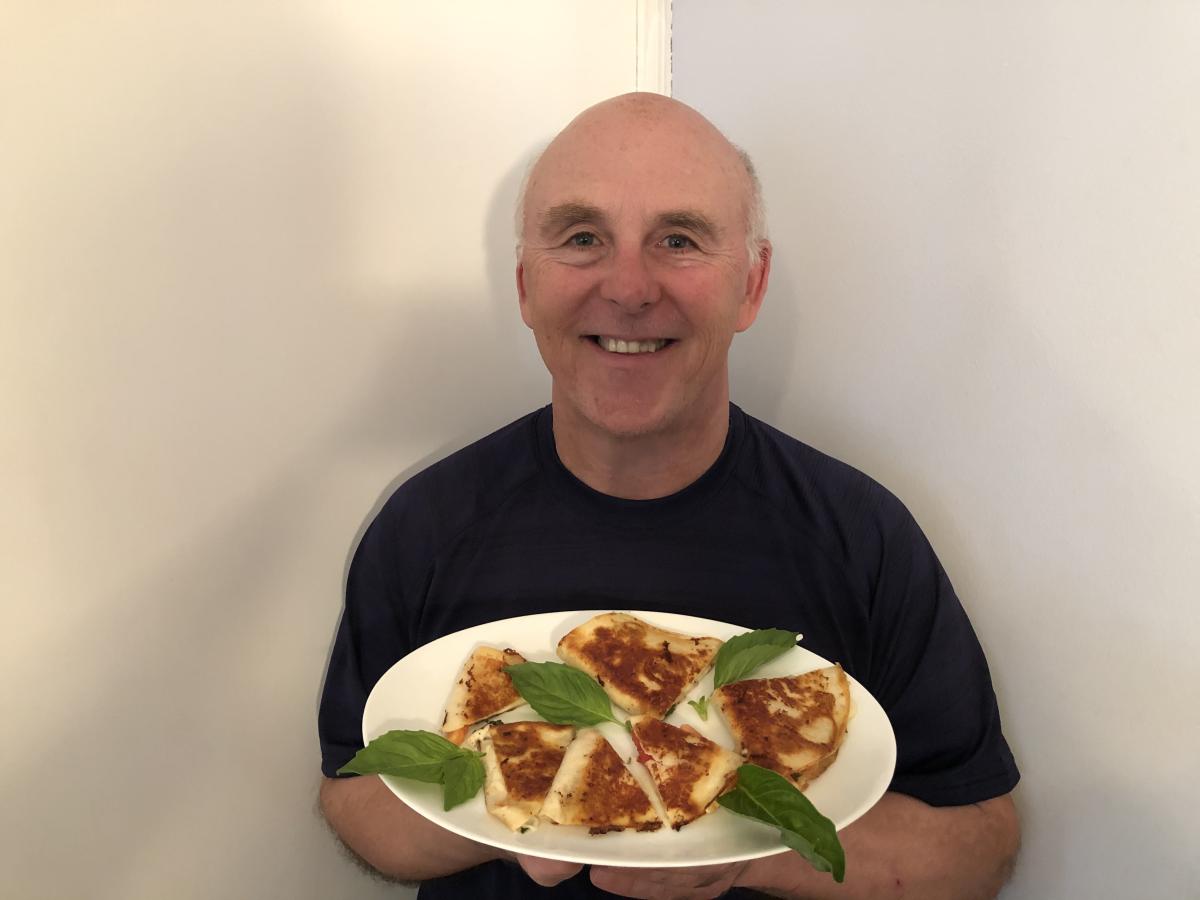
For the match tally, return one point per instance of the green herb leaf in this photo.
(419, 755)
(768, 797)
(701, 708)
(422, 756)
(741, 655)
(560, 694)
(462, 778)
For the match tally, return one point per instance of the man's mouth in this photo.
(622, 345)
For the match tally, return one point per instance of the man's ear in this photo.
(522, 297)
(756, 287)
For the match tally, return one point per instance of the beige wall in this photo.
(987, 294)
(255, 263)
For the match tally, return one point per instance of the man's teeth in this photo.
(615, 345)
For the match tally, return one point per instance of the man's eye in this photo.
(678, 242)
(582, 239)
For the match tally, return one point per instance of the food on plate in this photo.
(483, 690)
(594, 788)
(688, 770)
(520, 760)
(563, 770)
(643, 668)
(793, 725)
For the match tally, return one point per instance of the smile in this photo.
(620, 345)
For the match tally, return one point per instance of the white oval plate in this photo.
(412, 694)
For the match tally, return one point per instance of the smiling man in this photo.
(641, 254)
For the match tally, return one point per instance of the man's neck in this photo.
(644, 466)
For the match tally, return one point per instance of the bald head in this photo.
(645, 132)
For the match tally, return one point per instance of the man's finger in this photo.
(547, 872)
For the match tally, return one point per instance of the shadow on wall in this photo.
(194, 722)
(761, 359)
(481, 370)
(213, 645)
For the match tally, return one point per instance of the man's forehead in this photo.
(638, 159)
(624, 187)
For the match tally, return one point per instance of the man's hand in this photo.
(693, 883)
(547, 872)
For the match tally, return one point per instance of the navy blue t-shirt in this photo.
(774, 535)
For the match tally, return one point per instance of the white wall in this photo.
(987, 242)
(254, 266)
(255, 263)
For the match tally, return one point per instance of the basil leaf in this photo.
(741, 655)
(560, 694)
(462, 778)
(767, 796)
(701, 708)
(422, 756)
(418, 755)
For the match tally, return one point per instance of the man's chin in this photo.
(630, 421)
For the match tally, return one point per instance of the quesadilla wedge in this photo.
(483, 690)
(688, 770)
(520, 761)
(642, 668)
(594, 788)
(793, 725)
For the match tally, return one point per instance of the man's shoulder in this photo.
(468, 482)
(804, 482)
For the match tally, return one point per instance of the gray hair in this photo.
(756, 210)
(756, 213)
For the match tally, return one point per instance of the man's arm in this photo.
(391, 837)
(905, 848)
(901, 848)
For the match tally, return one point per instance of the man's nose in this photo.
(628, 281)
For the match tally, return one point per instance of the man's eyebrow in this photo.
(566, 215)
(690, 220)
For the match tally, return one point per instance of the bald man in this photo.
(641, 254)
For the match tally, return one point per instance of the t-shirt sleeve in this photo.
(929, 672)
(370, 638)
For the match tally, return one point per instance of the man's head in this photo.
(641, 229)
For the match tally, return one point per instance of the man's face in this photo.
(634, 274)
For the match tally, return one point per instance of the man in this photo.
(642, 487)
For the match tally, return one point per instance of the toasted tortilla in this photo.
(594, 788)
(643, 669)
(520, 761)
(483, 690)
(793, 725)
(688, 770)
